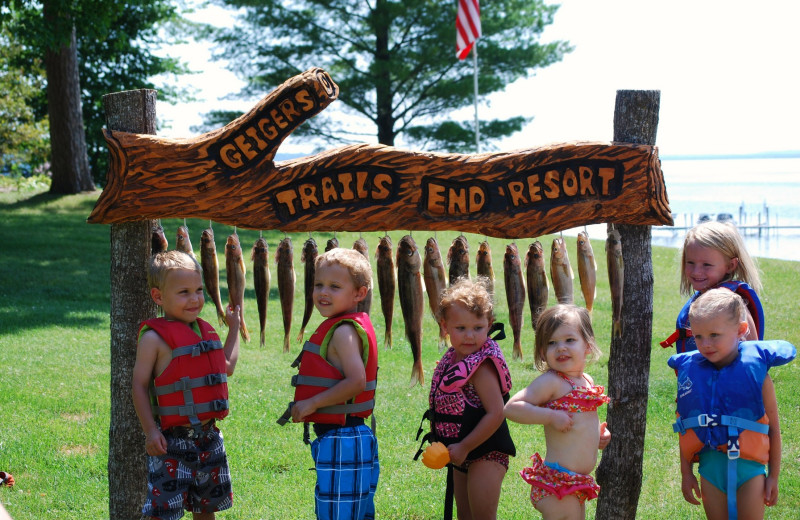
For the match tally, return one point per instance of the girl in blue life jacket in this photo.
(714, 255)
(727, 411)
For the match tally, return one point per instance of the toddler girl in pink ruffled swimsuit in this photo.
(564, 399)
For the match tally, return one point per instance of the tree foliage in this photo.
(23, 134)
(394, 61)
(116, 41)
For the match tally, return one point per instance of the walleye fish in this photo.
(515, 295)
(561, 271)
(616, 277)
(458, 259)
(587, 270)
(235, 273)
(331, 244)
(308, 256)
(364, 305)
(483, 264)
(182, 242)
(286, 277)
(435, 282)
(210, 264)
(538, 290)
(260, 258)
(409, 285)
(158, 241)
(386, 285)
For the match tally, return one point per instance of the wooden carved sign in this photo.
(229, 176)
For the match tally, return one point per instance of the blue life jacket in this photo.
(682, 337)
(723, 409)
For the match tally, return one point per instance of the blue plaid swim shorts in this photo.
(346, 461)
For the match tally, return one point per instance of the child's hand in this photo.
(155, 443)
(691, 489)
(232, 318)
(561, 420)
(605, 435)
(771, 491)
(302, 409)
(457, 454)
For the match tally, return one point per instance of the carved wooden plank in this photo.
(229, 176)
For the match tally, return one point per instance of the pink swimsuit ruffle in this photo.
(546, 481)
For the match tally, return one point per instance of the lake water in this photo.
(752, 191)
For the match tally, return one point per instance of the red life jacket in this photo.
(193, 388)
(316, 374)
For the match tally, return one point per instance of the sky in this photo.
(727, 72)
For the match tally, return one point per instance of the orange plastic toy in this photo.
(436, 456)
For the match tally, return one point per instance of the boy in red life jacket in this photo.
(183, 359)
(335, 389)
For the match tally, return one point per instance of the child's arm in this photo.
(146, 357)
(689, 485)
(605, 436)
(487, 385)
(525, 406)
(231, 347)
(344, 351)
(771, 407)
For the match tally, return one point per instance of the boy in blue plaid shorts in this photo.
(335, 389)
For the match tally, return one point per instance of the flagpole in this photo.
(475, 81)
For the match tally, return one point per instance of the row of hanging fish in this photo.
(406, 273)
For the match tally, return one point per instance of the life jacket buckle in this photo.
(733, 449)
(705, 420)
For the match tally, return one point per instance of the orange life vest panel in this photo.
(193, 388)
(316, 374)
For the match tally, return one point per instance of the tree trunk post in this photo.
(130, 111)
(620, 471)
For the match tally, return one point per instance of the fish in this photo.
(308, 256)
(561, 271)
(435, 282)
(286, 278)
(483, 264)
(409, 285)
(458, 259)
(183, 243)
(587, 270)
(210, 264)
(158, 241)
(386, 285)
(331, 244)
(364, 305)
(260, 258)
(515, 295)
(235, 272)
(536, 277)
(616, 278)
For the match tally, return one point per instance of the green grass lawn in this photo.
(54, 379)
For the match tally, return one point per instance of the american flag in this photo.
(468, 26)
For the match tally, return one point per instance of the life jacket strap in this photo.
(186, 383)
(195, 350)
(675, 336)
(348, 407)
(194, 409)
(705, 420)
(326, 382)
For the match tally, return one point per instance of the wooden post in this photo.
(620, 470)
(129, 111)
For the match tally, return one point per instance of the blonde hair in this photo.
(355, 263)
(474, 295)
(725, 238)
(550, 320)
(718, 301)
(161, 264)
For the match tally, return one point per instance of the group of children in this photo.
(469, 402)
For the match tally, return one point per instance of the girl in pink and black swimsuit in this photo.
(564, 399)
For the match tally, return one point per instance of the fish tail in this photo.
(302, 332)
(616, 329)
(286, 342)
(417, 374)
(263, 338)
(516, 353)
(243, 330)
(221, 317)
